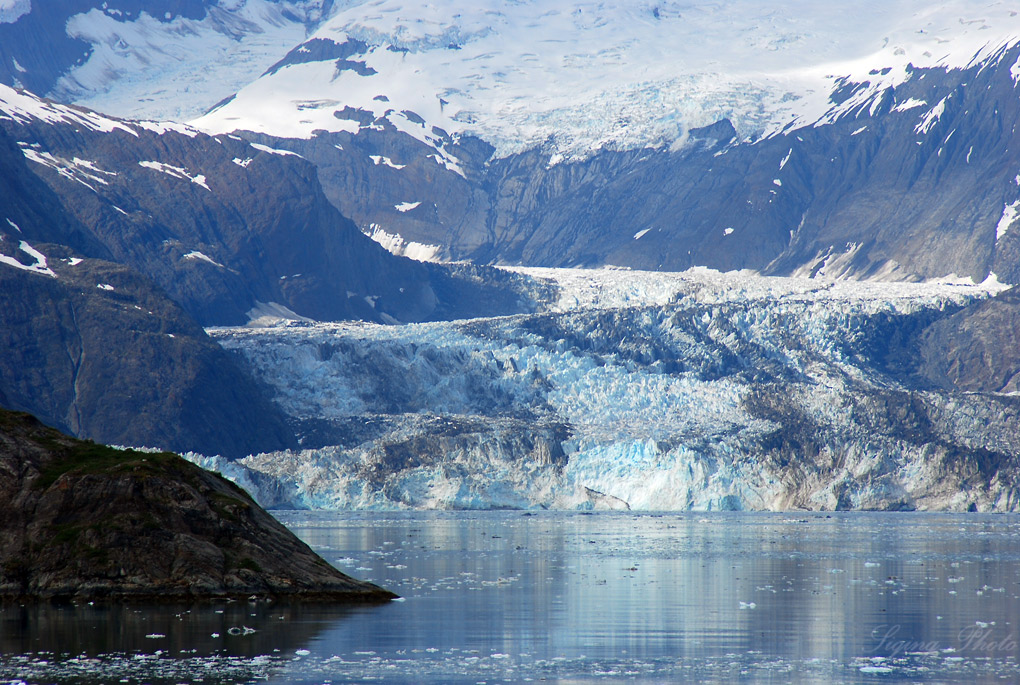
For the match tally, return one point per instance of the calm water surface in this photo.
(571, 597)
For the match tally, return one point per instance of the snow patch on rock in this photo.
(39, 266)
(1009, 216)
(396, 244)
(176, 172)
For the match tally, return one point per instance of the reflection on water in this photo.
(580, 597)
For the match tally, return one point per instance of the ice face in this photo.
(698, 390)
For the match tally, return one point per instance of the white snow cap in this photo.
(580, 75)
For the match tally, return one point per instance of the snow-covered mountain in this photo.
(577, 76)
(787, 139)
(690, 391)
(168, 59)
(652, 134)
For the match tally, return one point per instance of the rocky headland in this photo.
(85, 521)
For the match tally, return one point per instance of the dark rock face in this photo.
(85, 521)
(221, 226)
(319, 50)
(975, 350)
(96, 349)
(125, 365)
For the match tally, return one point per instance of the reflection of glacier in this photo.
(654, 391)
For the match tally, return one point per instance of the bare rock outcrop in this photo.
(81, 520)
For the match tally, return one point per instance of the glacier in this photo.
(634, 390)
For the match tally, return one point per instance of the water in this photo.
(571, 597)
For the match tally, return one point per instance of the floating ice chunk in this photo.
(728, 231)
(641, 234)
(104, 286)
(302, 652)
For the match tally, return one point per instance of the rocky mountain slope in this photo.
(222, 226)
(84, 521)
(119, 239)
(787, 139)
(98, 351)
